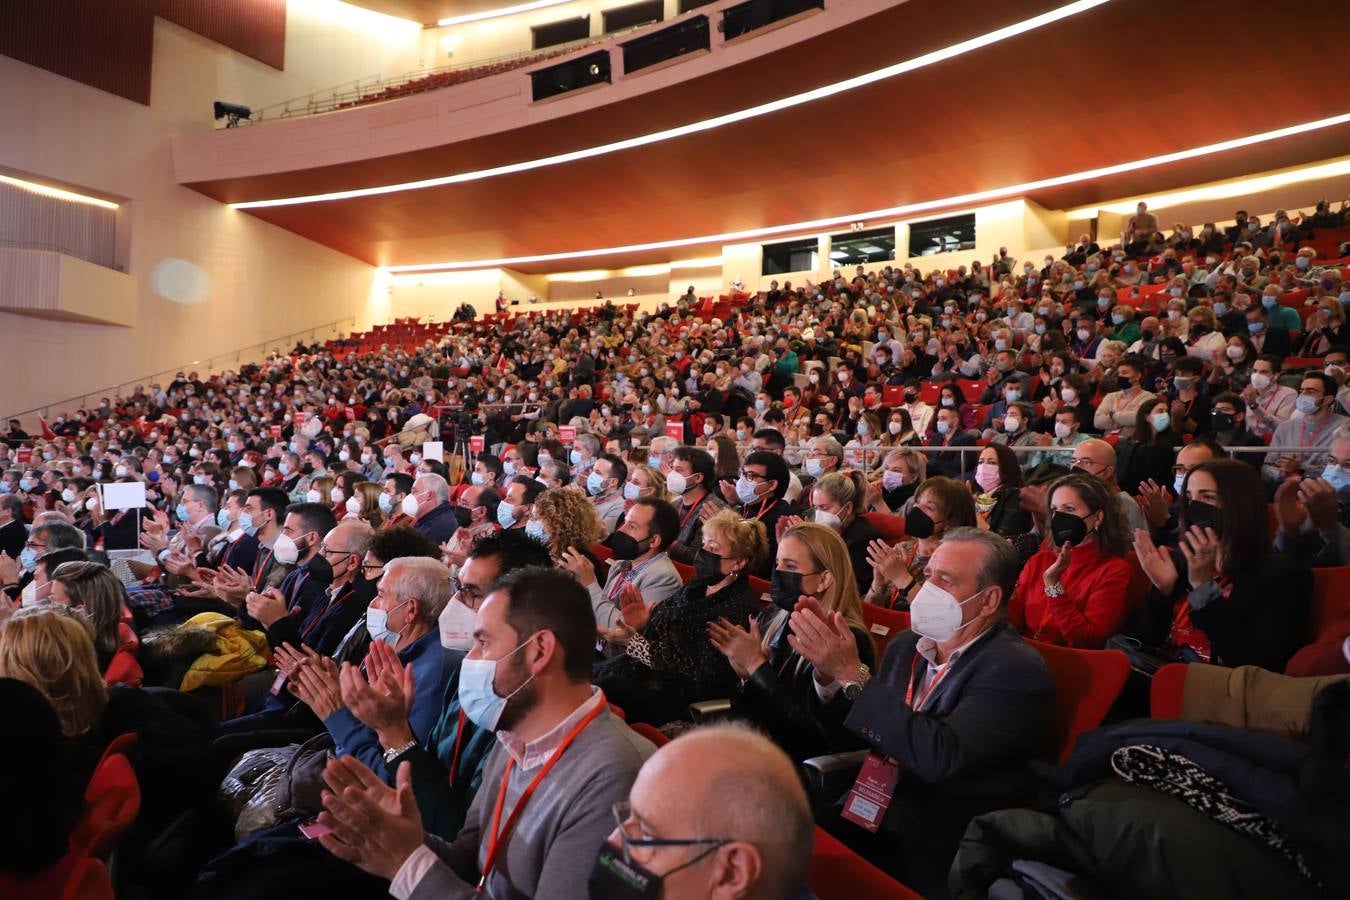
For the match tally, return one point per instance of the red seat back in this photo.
(686, 571)
(893, 394)
(837, 873)
(89, 880)
(1165, 693)
(1087, 683)
(884, 624)
(650, 732)
(892, 528)
(111, 803)
(1330, 599)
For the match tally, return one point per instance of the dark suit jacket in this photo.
(13, 537)
(1278, 342)
(438, 525)
(967, 752)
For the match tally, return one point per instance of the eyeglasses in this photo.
(372, 567)
(754, 477)
(627, 823)
(1084, 463)
(333, 551)
(468, 591)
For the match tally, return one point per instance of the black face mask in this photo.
(626, 546)
(464, 516)
(1222, 421)
(615, 878)
(320, 569)
(918, 524)
(785, 589)
(1205, 515)
(707, 566)
(1066, 528)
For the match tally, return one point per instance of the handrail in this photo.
(238, 355)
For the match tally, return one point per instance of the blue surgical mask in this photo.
(1305, 405)
(477, 478)
(386, 503)
(1117, 319)
(223, 518)
(284, 468)
(477, 695)
(745, 489)
(813, 467)
(1176, 483)
(1256, 327)
(575, 457)
(943, 427)
(1220, 309)
(1268, 301)
(631, 491)
(246, 523)
(377, 625)
(654, 462)
(1040, 329)
(25, 484)
(27, 559)
(181, 512)
(509, 468)
(595, 483)
(1338, 478)
(506, 515)
(535, 529)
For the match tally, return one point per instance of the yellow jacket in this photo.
(238, 652)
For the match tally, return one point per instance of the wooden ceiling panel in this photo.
(1036, 106)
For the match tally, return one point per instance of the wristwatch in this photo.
(1054, 590)
(394, 753)
(853, 688)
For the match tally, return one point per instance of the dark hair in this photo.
(617, 467)
(952, 497)
(529, 454)
(399, 541)
(774, 466)
(492, 464)
(1229, 397)
(1244, 536)
(771, 435)
(274, 499)
(542, 598)
(1174, 344)
(665, 519)
(1134, 361)
(1276, 362)
(1144, 432)
(512, 548)
(316, 517)
(1113, 535)
(533, 488)
(1189, 364)
(61, 535)
(957, 394)
(1009, 469)
(50, 792)
(700, 462)
(489, 498)
(403, 482)
(1328, 383)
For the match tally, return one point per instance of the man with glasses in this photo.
(560, 761)
(718, 806)
(343, 601)
(1313, 429)
(1097, 457)
(1314, 513)
(761, 491)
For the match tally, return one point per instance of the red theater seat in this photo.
(837, 873)
(1087, 683)
(112, 802)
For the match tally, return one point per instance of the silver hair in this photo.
(438, 486)
(422, 579)
(1000, 566)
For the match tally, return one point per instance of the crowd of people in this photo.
(408, 622)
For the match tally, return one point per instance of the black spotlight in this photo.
(232, 112)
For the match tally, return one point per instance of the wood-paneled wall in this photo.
(35, 221)
(112, 48)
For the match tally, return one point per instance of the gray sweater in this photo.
(550, 852)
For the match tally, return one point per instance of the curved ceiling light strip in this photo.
(498, 12)
(655, 137)
(895, 211)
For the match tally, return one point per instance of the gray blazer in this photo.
(657, 580)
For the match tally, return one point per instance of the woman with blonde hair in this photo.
(93, 590)
(53, 650)
(565, 519)
(364, 503)
(776, 690)
(243, 478)
(670, 663)
(838, 501)
(645, 481)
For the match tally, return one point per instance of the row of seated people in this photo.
(365, 659)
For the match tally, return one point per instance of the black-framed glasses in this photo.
(367, 568)
(754, 477)
(330, 551)
(623, 816)
(469, 592)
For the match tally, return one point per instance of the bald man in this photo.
(732, 817)
(1096, 457)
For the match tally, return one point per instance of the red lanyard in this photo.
(764, 507)
(261, 565)
(459, 737)
(498, 838)
(1303, 432)
(909, 692)
(329, 604)
(685, 518)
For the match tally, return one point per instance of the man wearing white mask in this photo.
(954, 716)
(691, 480)
(428, 505)
(823, 455)
(560, 763)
